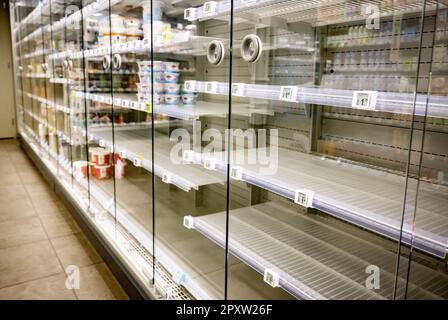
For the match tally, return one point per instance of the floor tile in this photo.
(16, 209)
(57, 225)
(98, 283)
(38, 188)
(11, 193)
(27, 262)
(29, 177)
(6, 165)
(10, 179)
(75, 250)
(49, 288)
(21, 231)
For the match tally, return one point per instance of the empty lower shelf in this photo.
(366, 197)
(314, 260)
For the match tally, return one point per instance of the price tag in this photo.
(304, 198)
(190, 85)
(211, 87)
(210, 8)
(180, 277)
(123, 154)
(166, 177)
(271, 277)
(188, 155)
(238, 89)
(101, 143)
(210, 163)
(125, 103)
(364, 99)
(188, 222)
(117, 101)
(137, 161)
(134, 105)
(148, 107)
(288, 93)
(190, 14)
(236, 173)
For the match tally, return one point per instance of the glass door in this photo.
(425, 198)
(319, 170)
(189, 126)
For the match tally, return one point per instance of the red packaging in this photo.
(103, 172)
(102, 157)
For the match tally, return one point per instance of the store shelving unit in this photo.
(360, 208)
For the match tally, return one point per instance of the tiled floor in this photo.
(40, 242)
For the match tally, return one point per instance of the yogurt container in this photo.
(172, 99)
(189, 99)
(171, 77)
(172, 88)
(171, 66)
(102, 172)
(80, 168)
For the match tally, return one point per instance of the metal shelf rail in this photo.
(394, 102)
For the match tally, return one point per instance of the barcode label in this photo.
(236, 173)
(304, 198)
(238, 89)
(188, 155)
(271, 277)
(210, 7)
(210, 164)
(190, 14)
(166, 177)
(188, 222)
(137, 161)
(211, 87)
(288, 94)
(364, 99)
(190, 85)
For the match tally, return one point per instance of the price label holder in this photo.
(179, 277)
(211, 87)
(137, 161)
(364, 100)
(210, 164)
(189, 222)
(288, 93)
(238, 89)
(123, 154)
(91, 137)
(236, 173)
(271, 277)
(210, 8)
(190, 86)
(188, 155)
(166, 177)
(117, 101)
(101, 143)
(190, 14)
(304, 198)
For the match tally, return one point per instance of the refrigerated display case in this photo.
(247, 149)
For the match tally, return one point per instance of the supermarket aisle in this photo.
(39, 239)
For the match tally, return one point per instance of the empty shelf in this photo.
(313, 259)
(366, 197)
(394, 102)
(137, 143)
